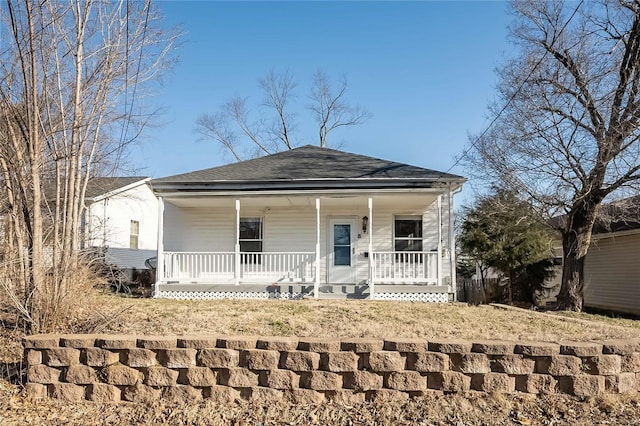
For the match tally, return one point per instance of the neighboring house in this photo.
(612, 265)
(122, 218)
(308, 221)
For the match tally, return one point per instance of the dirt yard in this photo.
(112, 314)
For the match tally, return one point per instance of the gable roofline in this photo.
(307, 167)
(141, 181)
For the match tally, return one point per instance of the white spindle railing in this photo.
(254, 267)
(277, 266)
(198, 266)
(404, 267)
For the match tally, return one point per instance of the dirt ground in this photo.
(332, 319)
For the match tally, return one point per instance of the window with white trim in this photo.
(134, 234)
(407, 235)
(250, 239)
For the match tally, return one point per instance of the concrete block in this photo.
(138, 357)
(362, 381)
(428, 362)
(279, 379)
(97, 357)
(78, 341)
(450, 346)
(237, 342)
(361, 345)
(512, 364)
(471, 363)
(406, 381)
(198, 342)
(43, 374)
(160, 376)
(493, 382)
(280, 344)
(559, 365)
(100, 392)
(449, 381)
(237, 378)
(604, 365)
(177, 358)
(181, 394)
(537, 349)
(66, 392)
(259, 359)
(197, 376)
(493, 347)
(41, 341)
(406, 345)
(142, 394)
(121, 375)
(385, 361)
(300, 361)
(536, 384)
(157, 342)
(80, 375)
(218, 358)
(116, 342)
(339, 362)
(61, 357)
(320, 380)
(319, 345)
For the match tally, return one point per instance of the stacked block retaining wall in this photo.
(111, 368)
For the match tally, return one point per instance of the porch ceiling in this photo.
(411, 199)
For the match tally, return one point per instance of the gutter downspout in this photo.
(452, 244)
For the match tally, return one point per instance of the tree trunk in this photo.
(575, 243)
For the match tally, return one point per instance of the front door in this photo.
(342, 247)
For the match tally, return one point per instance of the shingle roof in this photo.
(308, 163)
(101, 185)
(616, 216)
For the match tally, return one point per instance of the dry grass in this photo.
(341, 318)
(108, 313)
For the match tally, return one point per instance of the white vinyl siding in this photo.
(612, 274)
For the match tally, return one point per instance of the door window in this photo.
(342, 244)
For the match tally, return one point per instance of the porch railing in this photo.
(220, 267)
(405, 267)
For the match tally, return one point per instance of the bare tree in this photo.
(71, 75)
(566, 128)
(272, 126)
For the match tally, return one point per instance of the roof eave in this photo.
(160, 187)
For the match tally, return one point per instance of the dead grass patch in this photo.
(330, 318)
(345, 319)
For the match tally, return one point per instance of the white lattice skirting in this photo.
(413, 297)
(217, 295)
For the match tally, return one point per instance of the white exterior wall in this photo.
(293, 229)
(109, 220)
(612, 274)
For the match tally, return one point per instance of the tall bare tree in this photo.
(71, 75)
(272, 126)
(566, 130)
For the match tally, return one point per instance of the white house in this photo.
(308, 221)
(122, 218)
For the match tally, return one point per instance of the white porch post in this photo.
(452, 248)
(160, 248)
(370, 249)
(236, 269)
(439, 272)
(316, 285)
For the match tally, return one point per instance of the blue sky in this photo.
(425, 70)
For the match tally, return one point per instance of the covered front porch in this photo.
(323, 245)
